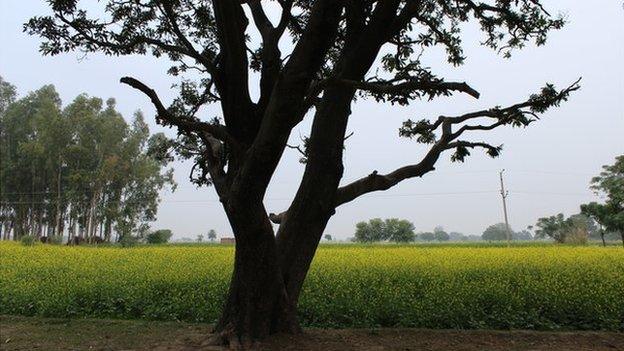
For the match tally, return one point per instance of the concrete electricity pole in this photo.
(504, 195)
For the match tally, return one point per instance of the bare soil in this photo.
(28, 333)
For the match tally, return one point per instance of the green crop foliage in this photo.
(453, 286)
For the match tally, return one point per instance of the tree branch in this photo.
(375, 182)
(170, 15)
(186, 124)
(260, 19)
(382, 87)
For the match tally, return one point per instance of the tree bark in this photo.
(313, 206)
(315, 202)
(57, 228)
(257, 304)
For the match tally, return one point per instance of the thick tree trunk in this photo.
(314, 204)
(257, 304)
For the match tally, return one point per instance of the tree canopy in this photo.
(160, 236)
(80, 169)
(574, 229)
(440, 234)
(498, 232)
(391, 229)
(610, 184)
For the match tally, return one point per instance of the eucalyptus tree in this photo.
(7, 94)
(339, 50)
(78, 168)
(23, 171)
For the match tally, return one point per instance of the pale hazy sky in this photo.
(548, 166)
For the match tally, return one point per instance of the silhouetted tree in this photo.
(341, 49)
(212, 235)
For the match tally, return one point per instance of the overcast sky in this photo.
(548, 166)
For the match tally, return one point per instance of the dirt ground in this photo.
(25, 333)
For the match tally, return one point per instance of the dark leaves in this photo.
(421, 130)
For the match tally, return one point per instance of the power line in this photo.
(347, 180)
(291, 198)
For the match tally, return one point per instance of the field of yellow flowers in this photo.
(533, 287)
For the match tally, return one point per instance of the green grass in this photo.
(536, 286)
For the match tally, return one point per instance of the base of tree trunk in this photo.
(257, 304)
(228, 338)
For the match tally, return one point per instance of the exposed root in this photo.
(228, 340)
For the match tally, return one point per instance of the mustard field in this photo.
(527, 287)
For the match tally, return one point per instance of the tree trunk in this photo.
(57, 228)
(314, 204)
(257, 304)
(91, 220)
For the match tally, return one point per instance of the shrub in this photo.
(159, 236)
(576, 235)
(128, 241)
(28, 240)
(55, 239)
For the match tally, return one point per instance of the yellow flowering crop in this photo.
(533, 287)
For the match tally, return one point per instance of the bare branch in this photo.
(382, 87)
(186, 124)
(298, 148)
(513, 114)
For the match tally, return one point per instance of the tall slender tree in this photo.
(341, 49)
(80, 170)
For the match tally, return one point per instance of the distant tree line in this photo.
(78, 170)
(401, 231)
(392, 229)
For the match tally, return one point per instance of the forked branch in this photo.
(520, 114)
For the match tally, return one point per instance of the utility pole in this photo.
(504, 195)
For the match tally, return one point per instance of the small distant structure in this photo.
(228, 241)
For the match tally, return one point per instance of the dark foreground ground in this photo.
(25, 333)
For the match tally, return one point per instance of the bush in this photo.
(55, 239)
(28, 240)
(128, 241)
(159, 237)
(577, 236)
